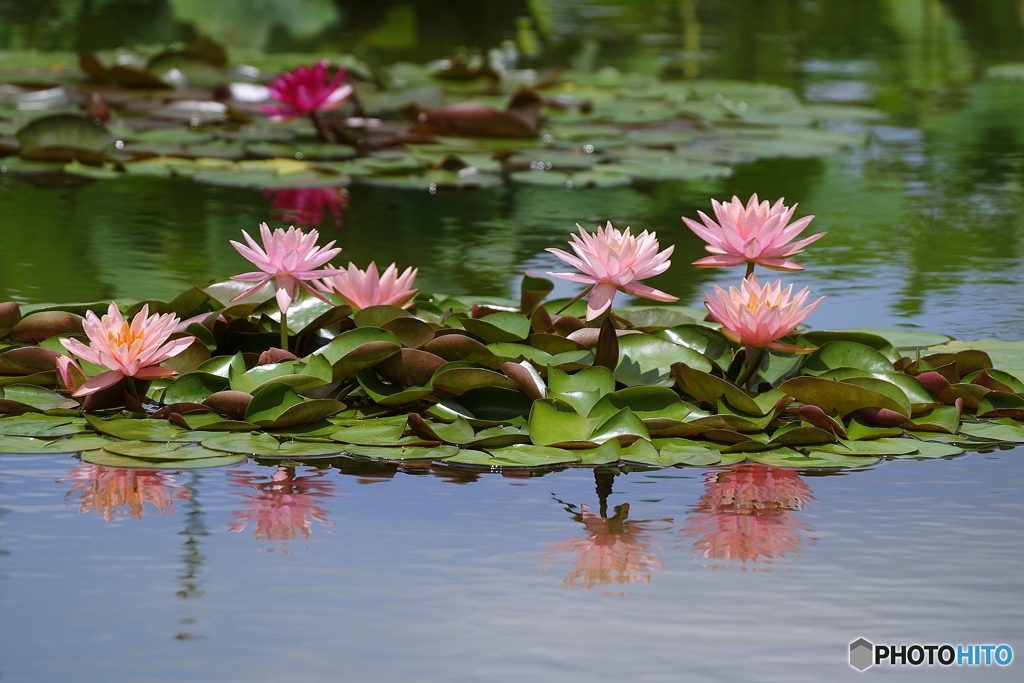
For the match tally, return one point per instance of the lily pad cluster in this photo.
(479, 385)
(194, 111)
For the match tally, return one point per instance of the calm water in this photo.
(371, 574)
(392, 577)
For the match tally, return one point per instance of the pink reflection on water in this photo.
(306, 206)
(746, 516)
(109, 490)
(613, 550)
(282, 506)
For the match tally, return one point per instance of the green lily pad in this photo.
(645, 359)
(994, 431)
(277, 406)
(527, 455)
(709, 389)
(932, 449)
(499, 327)
(159, 451)
(358, 349)
(266, 446)
(672, 452)
(887, 446)
(787, 457)
(301, 376)
(194, 387)
(140, 430)
(457, 379)
(843, 397)
(445, 453)
(583, 389)
(907, 338)
(33, 445)
(37, 397)
(107, 459)
(44, 426)
(704, 340)
(846, 354)
(390, 394)
(379, 432)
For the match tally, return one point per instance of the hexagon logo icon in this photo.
(862, 654)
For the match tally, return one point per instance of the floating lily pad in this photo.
(32, 424)
(107, 459)
(445, 453)
(789, 458)
(645, 359)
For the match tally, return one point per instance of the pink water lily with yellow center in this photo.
(757, 233)
(304, 91)
(758, 316)
(611, 260)
(128, 350)
(363, 289)
(289, 258)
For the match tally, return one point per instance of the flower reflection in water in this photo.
(746, 515)
(106, 490)
(282, 506)
(306, 206)
(613, 549)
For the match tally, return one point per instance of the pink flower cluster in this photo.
(756, 234)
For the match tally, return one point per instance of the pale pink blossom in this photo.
(746, 516)
(611, 260)
(289, 259)
(70, 373)
(613, 550)
(755, 233)
(758, 316)
(366, 288)
(128, 350)
(305, 91)
(283, 507)
(106, 490)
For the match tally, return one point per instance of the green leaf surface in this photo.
(645, 359)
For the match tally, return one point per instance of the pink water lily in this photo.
(613, 260)
(128, 350)
(304, 91)
(366, 288)
(758, 316)
(289, 259)
(754, 234)
(70, 373)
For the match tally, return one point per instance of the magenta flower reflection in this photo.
(746, 516)
(757, 233)
(282, 507)
(307, 206)
(610, 260)
(613, 550)
(110, 490)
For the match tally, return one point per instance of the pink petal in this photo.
(100, 382)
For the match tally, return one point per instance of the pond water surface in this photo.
(358, 572)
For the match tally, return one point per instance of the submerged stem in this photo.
(284, 330)
(319, 126)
